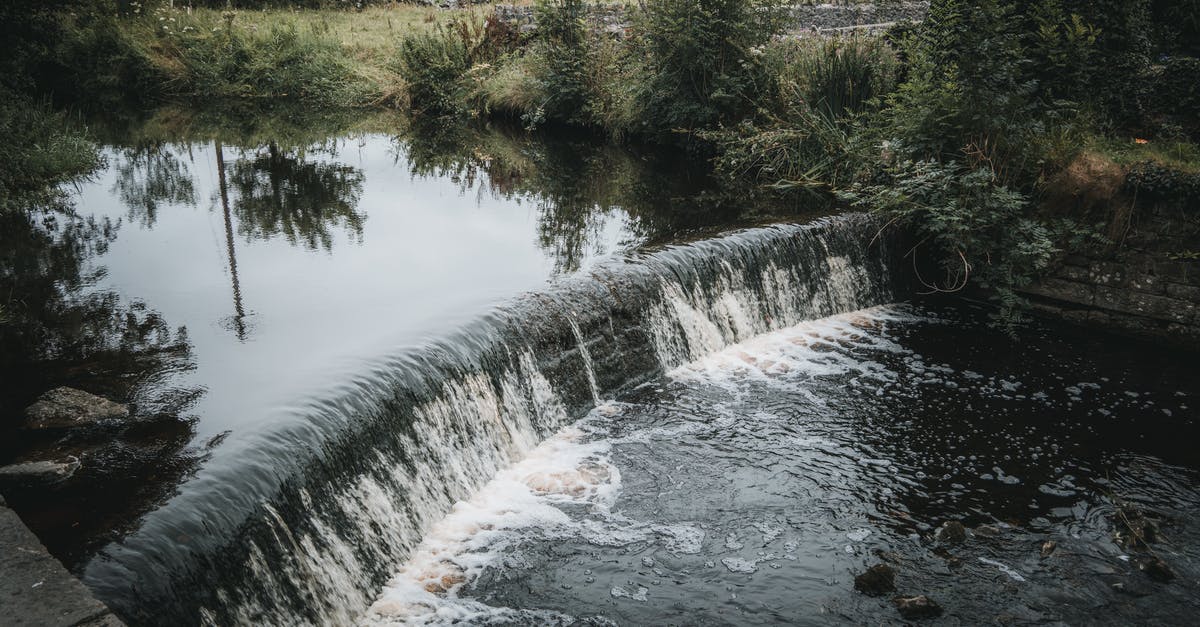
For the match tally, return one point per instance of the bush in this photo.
(1177, 88)
(975, 226)
(562, 37)
(434, 64)
(833, 77)
(1160, 183)
(279, 63)
(810, 138)
(512, 86)
(702, 60)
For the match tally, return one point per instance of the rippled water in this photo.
(750, 486)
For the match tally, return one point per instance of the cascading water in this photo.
(305, 523)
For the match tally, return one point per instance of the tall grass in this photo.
(39, 148)
(807, 135)
(834, 77)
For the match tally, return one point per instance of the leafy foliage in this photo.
(433, 63)
(702, 60)
(976, 226)
(562, 35)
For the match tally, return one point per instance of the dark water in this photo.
(751, 485)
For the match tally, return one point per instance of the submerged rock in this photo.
(879, 580)
(987, 531)
(919, 606)
(64, 408)
(951, 532)
(1155, 568)
(37, 474)
(1048, 548)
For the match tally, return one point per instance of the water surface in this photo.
(751, 485)
(223, 277)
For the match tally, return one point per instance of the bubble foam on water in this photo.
(564, 469)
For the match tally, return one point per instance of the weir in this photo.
(306, 522)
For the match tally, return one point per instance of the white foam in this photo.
(1004, 568)
(474, 535)
(740, 565)
(526, 499)
(803, 350)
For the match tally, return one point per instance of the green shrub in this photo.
(434, 64)
(281, 62)
(809, 138)
(834, 77)
(975, 227)
(702, 60)
(562, 37)
(1156, 182)
(1177, 88)
(511, 86)
(812, 153)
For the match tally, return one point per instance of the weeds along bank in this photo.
(1004, 134)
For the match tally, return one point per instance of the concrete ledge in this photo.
(35, 589)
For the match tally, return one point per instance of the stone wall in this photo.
(803, 17)
(35, 589)
(1149, 286)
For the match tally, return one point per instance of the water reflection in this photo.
(575, 182)
(55, 331)
(285, 192)
(150, 176)
(244, 284)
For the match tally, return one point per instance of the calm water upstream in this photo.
(473, 376)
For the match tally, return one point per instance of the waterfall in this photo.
(304, 523)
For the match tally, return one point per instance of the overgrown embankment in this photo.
(960, 128)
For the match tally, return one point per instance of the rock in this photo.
(1048, 547)
(951, 532)
(1155, 568)
(37, 474)
(919, 606)
(64, 408)
(987, 531)
(1135, 528)
(879, 580)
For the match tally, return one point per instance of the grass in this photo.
(1179, 155)
(341, 58)
(41, 148)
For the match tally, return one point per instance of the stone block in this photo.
(1190, 293)
(35, 589)
(1148, 305)
(1059, 289)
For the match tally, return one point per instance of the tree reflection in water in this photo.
(151, 175)
(286, 192)
(575, 181)
(56, 331)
